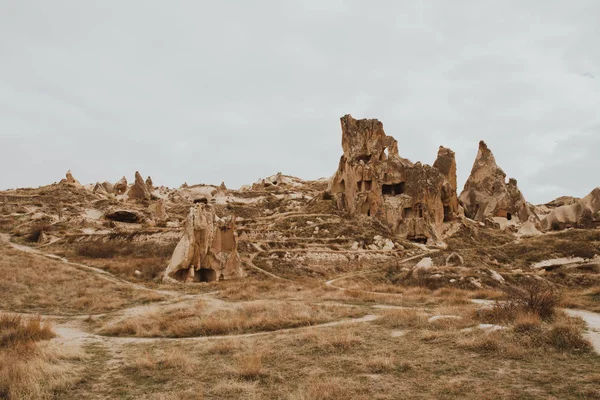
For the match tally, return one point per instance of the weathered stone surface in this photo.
(149, 183)
(158, 211)
(127, 216)
(373, 180)
(208, 249)
(270, 181)
(139, 190)
(70, 180)
(486, 193)
(104, 188)
(585, 213)
(121, 186)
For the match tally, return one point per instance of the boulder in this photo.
(487, 194)
(208, 249)
(139, 190)
(158, 211)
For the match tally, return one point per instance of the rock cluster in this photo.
(584, 213)
(414, 200)
(139, 190)
(70, 180)
(487, 194)
(208, 249)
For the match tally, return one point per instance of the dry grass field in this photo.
(358, 336)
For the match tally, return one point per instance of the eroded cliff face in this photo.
(208, 249)
(414, 200)
(583, 213)
(487, 194)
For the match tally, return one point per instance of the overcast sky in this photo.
(211, 91)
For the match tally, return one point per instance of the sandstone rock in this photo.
(454, 260)
(208, 249)
(585, 213)
(158, 211)
(70, 180)
(104, 188)
(149, 183)
(223, 187)
(486, 193)
(425, 264)
(121, 186)
(373, 180)
(139, 190)
(528, 229)
(496, 276)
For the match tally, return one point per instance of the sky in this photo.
(211, 91)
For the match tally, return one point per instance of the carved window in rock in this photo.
(393, 189)
(364, 186)
(447, 214)
(419, 210)
(408, 212)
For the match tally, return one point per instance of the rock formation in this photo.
(373, 180)
(486, 193)
(149, 183)
(139, 190)
(69, 180)
(208, 249)
(121, 186)
(158, 211)
(104, 188)
(584, 213)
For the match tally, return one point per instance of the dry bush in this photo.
(249, 366)
(29, 367)
(534, 297)
(567, 337)
(15, 331)
(224, 347)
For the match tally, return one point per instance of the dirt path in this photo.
(592, 320)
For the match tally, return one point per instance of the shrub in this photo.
(537, 297)
(15, 331)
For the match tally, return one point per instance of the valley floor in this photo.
(270, 338)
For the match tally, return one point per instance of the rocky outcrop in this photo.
(487, 194)
(208, 249)
(413, 200)
(270, 181)
(149, 183)
(158, 211)
(104, 188)
(70, 180)
(121, 186)
(139, 190)
(584, 213)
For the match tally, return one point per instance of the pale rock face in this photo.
(139, 190)
(486, 193)
(425, 264)
(158, 211)
(583, 213)
(208, 249)
(104, 188)
(414, 200)
(70, 180)
(149, 183)
(121, 186)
